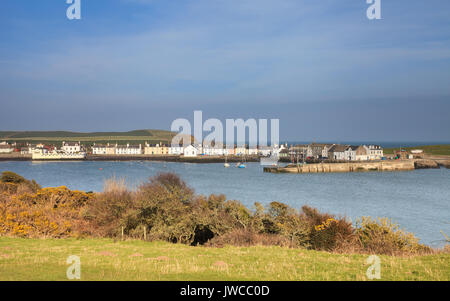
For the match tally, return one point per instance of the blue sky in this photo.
(322, 67)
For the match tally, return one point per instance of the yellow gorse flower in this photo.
(325, 224)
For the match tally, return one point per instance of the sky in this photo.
(325, 70)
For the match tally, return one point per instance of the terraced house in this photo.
(99, 149)
(129, 149)
(102, 149)
(156, 149)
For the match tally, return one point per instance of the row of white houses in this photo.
(313, 150)
(187, 151)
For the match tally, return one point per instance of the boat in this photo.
(241, 164)
(226, 163)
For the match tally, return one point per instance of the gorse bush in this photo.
(165, 208)
(50, 212)
(382, 236)
(10, 180)
(11, 177)
(326, 231)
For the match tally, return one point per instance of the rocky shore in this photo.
(445, 164)
(425, 163)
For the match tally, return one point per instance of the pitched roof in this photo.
(337, 148)
(71, 144)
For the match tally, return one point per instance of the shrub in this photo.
(382, 236)
(286, 221)
(247, 237)
(50, 212)
(326, 231)
(13, 178)
(106, 214)
(169, 210)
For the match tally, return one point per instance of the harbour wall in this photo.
(344, 167)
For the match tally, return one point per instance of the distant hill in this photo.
(140, 136)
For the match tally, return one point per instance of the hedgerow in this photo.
(165, 208)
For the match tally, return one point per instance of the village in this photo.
(284, 152)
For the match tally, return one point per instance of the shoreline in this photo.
(431, 162)
(161, 158)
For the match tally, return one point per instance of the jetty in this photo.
(344, 167)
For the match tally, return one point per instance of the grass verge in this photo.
(104, 259)
(440, 150)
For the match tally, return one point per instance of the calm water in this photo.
(418, 200)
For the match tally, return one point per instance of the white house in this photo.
(276, 149)
(190, 151)
(350, 153)
(207, 150)
(71, 147)
(252, 150)
(228, 151)
(265, 150)
(176, 149)
(375, 152)
(213, 150)
(362, 153)
(26, 150)
(337, 152)
(240, 150)
(129, 149)
(325, 150)
(6, 148)
(99, 149)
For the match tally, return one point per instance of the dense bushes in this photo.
(382, 236)
(33, 212)
(15, 183)
(165, 208)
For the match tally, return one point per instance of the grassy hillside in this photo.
(137, 136)
(442, 149)
(103, 259)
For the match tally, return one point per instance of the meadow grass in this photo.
(441, 150)
(105, 259)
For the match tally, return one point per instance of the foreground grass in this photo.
(103, 259)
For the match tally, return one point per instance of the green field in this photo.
(440, 150)
(104, 259)
(56, 137)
